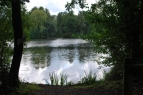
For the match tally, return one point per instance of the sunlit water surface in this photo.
(69, 56)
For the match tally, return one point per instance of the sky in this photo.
(54, 6)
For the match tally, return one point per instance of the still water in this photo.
(69, 56)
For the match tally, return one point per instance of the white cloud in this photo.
(37, 3)
(54, 6)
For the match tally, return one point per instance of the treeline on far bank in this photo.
(44, 25)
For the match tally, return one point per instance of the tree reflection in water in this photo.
(40, 57)
(72, 56)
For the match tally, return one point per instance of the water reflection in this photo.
(69, 56)
(86, 54)
(40, 56)
(66, 53)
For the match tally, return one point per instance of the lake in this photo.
(68, 56)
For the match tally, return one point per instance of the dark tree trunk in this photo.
(18, 44)
(135, 47)
(135, 31)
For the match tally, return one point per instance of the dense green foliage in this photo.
(5, 50)
(6, 40)
(41, 23)
(65, 24)
(69, 24)
(116, 31)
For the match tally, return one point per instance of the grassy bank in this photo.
(88, 81)
(25, 89)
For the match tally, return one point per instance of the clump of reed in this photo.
(56, 79)
(88, 78)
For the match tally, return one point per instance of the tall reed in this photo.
(58, 80)
(54, 78)
(88, 78)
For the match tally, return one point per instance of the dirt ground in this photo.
(71, 90)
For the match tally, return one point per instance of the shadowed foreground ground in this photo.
(76, 90)
(83, 90)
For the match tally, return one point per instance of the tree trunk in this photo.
(18, 43)
(134, 27)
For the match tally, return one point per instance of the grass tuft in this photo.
(25, 89)
(88, 78)
(58, 80)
